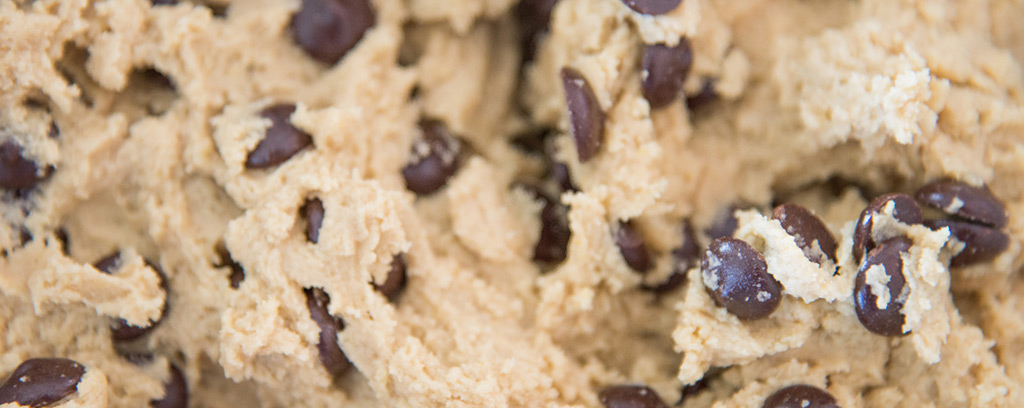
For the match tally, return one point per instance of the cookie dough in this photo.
(490, 203)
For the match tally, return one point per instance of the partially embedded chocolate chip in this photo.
(237, 272)
(281, 141)
(652, 7)
(981, 243)
(586, 119)
(16, 171)
(395, 282)
(664, 70)
(904, 209)
(964, 200)
(560, 172)
(887, 321)
(38, 382)
(630, 396)
(707, 95)
(331, 355)
(136, 357)
(800, 396)
(164, 2)
(313, 212)
(810, 234)
(552, 244)
(737, 278)
(175, 391)
(724, 224)
(121, 330)
(633, 247)
(435, 158)
(684, 257)
(328, 29)
(534, 17)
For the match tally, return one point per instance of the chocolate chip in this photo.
(889, 320)
(652, 7)
(724, 224)
(964, 200)
(905, 210)
(810, 234)
(664, 70)
(121, 330)
(62, 236)
(552, 244)
(435, 158)
(534, 17)
(560, 172)
(632, 247)
(532, 141)
(585, 115)
(395, 282)
(38, 382)
(138, 358)
(237, 272)
(331, 355)
(800, 396)
(328, 29)
(684, 257)
(164, 2)
(313, 212)
(981, 243)
(737, 278)
(175, 391)
(630, 396)
(281, 141)
(707, 95)
(16, 171)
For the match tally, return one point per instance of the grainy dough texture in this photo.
(144, 115)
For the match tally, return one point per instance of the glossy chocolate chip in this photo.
(313, 212)
(684, 257)
(887, 321)
(121, 330)
(664, 70)
(737, 278)
(534, 17)
(395, 282)
(16, 171)
(964, 200)
(553, 242)
(435, 158)
(905, 210)
(981, 243)
(282, 140)
(175, 391)
(652, 7)
(39, 382)
(331, 355)
(800, 396)
(586, 119)
(630, 396)
(328, 29)
(810, 234)
(237, 272)
(633, 247)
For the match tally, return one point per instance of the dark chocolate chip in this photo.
(16, 171)
(560, 172)
(887, 321)
(38, 382)
(237, 272)
(435, 158)
(121, 330)
(737, 278)
(664, 70)
(905, 210)
(684, 257)
(138, 358)
(534, 17)
(313, 212)
(633, 248)
(164, 2)
(810, 234)
(800, 396)
(532, 141)
(554, 236)
(964, 200)
(282, 139)
(981, 243)
(630, 396)
(331, 355)
(691, 390)
(724, 224)
(395, 282)
(328, 29)
(586, 119)
(707, 95)
(175, 391)
(652, 7)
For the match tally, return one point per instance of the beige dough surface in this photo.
(884, 95)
